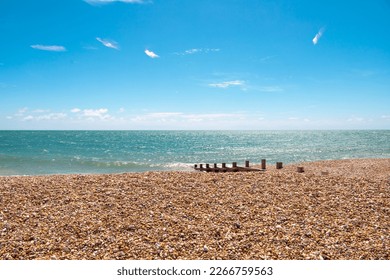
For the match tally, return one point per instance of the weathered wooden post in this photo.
(300, 169)
(215, 165)
(195, 166)
(201, 166)
(247, 163)
(263, 164)
(223, 165)
(207, 165)
(279, 165)
(234, 166)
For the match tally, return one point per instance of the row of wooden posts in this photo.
(235, 168)
(214, 168)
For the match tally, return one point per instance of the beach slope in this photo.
(334, 210)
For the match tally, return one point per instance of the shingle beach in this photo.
(334, 210)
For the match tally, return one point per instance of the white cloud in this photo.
(52, 116)
(356, 119)
(22, 110)
(52, 48)
(318, 35)
(178, 120)
(211, 117)
(228, 84)
(192, 51)
(184, 118)
(108, 43)
(164, 114)
(151, 54)
(75, 110)
(92, 114)
(28, 118)
(46, 117)
(92, 2)
(195, 50)
(159, 117)
(41, 111)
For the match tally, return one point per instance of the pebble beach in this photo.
(333, 210)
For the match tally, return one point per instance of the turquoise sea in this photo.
(66, 152)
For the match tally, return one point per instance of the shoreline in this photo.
(276, 214)
(308, 165)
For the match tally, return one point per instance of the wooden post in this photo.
(279, 165)
(223, 165)
(234, 164)
(200, 166)
(263, 164)
(300, 169)
(207, 165)
(195, 166)
(215, 165)
(247, 163)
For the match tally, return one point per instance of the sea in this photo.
(90, 152)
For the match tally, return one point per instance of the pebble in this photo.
(279, 214)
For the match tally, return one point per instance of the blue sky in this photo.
(186, 64)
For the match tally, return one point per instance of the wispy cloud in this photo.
(92, 114)
(75, 110)
(191, 51)
(95, 2)
(24, 114)
(74, 115)
(46, 117)
(197, 50)
(270, 89)
(21, 112)
(151, 54)
(108, 43)
(178, 117)
(267, 58)
(50, 48)
(164, 114)
(356, 119)
(228, 84)
(318, 35)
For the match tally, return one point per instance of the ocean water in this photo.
(80, 152)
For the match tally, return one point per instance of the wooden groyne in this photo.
(234, 167)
